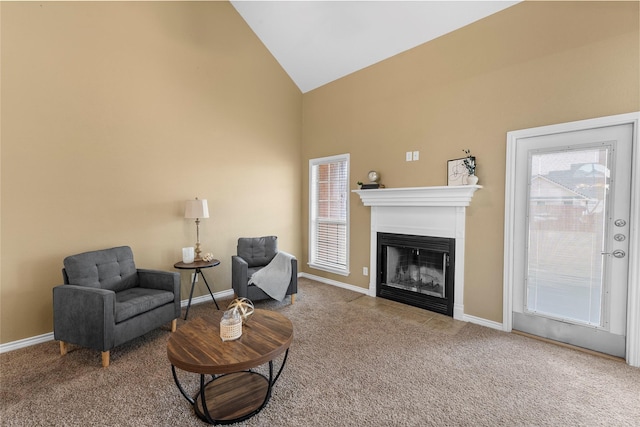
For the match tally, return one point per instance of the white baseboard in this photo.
(335, 283)
(205, 298)
(26, 342)
(14, 345)
(482, 322)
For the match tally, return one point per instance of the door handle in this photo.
(618, 253)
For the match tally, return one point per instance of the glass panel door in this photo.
(568, 203)
(572, 210)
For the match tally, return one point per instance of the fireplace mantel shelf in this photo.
(459, 195)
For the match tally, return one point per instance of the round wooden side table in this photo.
(197, 265)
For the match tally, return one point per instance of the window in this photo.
(329, 214)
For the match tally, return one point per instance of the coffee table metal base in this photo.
(234, 397)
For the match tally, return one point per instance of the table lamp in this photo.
(197, 209)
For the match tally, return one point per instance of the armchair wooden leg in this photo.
(105, 359)
(63, 348)
(293, 298)
(174, 325)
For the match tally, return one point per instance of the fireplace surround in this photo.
(421, 211)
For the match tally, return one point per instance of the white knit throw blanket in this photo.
(274, 278)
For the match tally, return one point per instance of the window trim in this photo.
(312, 234)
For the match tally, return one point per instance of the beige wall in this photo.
(533, 64)
(115, 113)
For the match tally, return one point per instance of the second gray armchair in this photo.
(253, 254)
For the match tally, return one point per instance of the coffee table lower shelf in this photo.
(233, 397)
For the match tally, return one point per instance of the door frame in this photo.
(633, 291)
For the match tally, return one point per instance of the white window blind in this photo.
(329, 214)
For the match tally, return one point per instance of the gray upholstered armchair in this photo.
(106, 301)
(253, 254)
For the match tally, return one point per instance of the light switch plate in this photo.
(409, 156)
(416, 155)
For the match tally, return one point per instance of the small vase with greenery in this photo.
(470, 163)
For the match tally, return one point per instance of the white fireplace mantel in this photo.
(421, 211)
(459, 195)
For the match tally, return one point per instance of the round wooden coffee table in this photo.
(235, 393)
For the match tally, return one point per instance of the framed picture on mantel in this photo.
(456, 172)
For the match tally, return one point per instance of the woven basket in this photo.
(230, 329)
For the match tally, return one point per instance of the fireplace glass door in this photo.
(417, 270)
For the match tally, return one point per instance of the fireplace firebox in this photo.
(417, 270)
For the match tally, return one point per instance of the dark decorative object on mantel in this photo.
(374, 177)
(370, 186)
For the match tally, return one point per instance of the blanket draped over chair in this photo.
(275, 277)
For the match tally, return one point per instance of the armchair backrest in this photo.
(257, 251)
(111, 269)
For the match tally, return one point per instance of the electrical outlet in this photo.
(365, 271)
(409, 156)
(416, 155)
(194, 276)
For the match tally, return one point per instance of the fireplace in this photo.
(430, 212)
(417, 270)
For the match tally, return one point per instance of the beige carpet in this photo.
(354, 361)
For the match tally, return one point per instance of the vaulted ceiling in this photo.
(317, 42)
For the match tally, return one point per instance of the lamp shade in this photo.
(196, 209)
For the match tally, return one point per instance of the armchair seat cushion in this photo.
(252, 270)
(135, 301)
